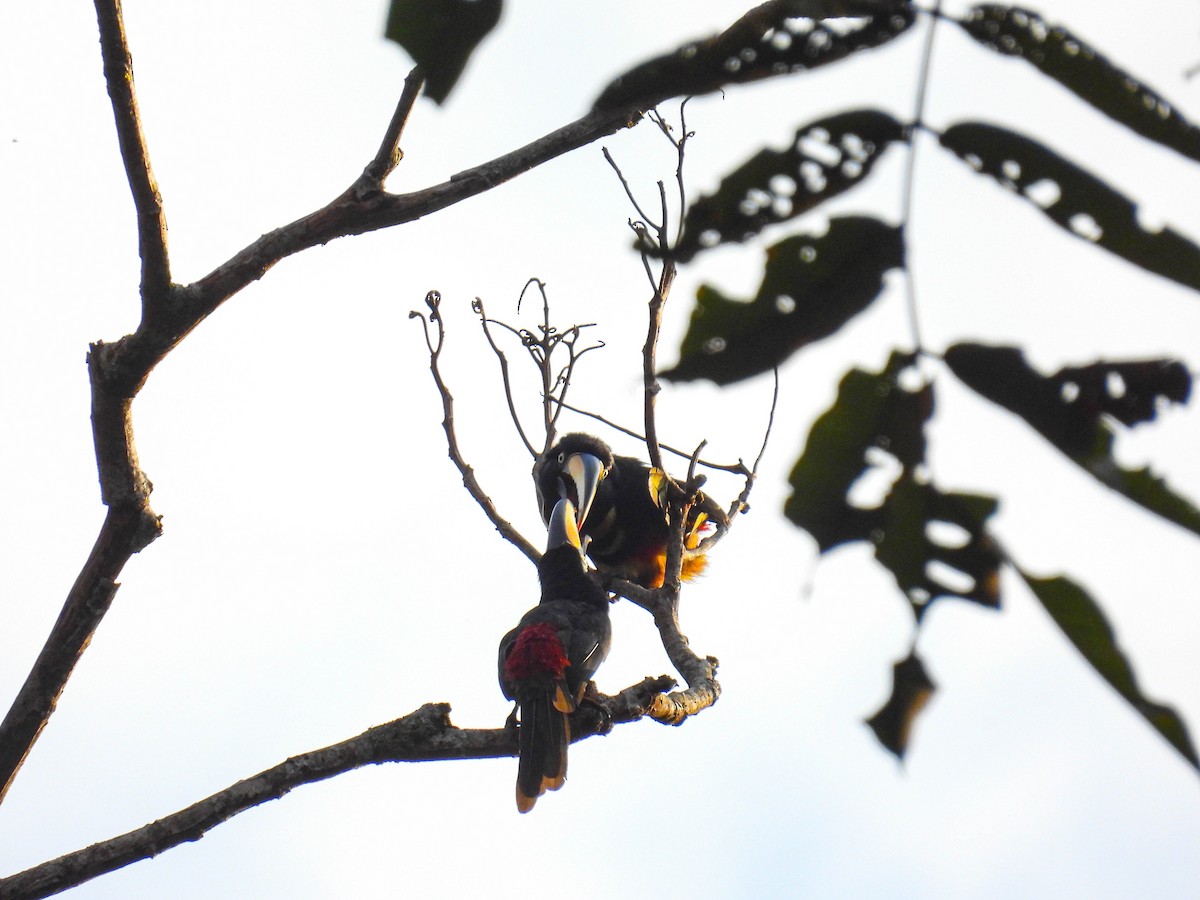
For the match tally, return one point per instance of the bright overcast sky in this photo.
(322, 570)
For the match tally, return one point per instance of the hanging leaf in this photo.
(1075, 65)
(826, 157)
(1067, 409)
(912, 689)
(811, 287)
(769, 40)
(871, 414)
(934, 543)
(1085, 625)
(928, 563)
(1075, 200)
(440, 36)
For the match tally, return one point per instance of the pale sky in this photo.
(322, 570)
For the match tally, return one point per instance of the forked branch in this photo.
(170, 312)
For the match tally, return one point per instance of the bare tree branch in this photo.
(542, 350)
(348, 215)
(433, 300)
(633, 201)
(663, 603)
(737, 468)
(125, 530)
(422, 735)
(169, 313)
(742, 503)
(130, 524)
(649, 359)
(680, 145)
(389, 154)
(484, 321)
(703, 689)
(910, 173)
(152, 224)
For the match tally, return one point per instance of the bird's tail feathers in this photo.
(542, 741)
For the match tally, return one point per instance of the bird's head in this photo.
(572, 469)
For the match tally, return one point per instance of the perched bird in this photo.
(547, 661)
(619, 509)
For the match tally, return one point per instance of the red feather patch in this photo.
(537, 651)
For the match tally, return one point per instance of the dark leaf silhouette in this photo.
(440, 36)
(929, 563)
(1080, 68)
(1085, 625)
(811, 287)
(769, 40)
(934, 543)
(1074, 199)
(1067, 409)
(826, 157)
(912, 688)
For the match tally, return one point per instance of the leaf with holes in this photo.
(1075, 65)
(826, 157)
(934, 543)
(912, 689)
(811, 287)
(440, 36)
(1074, 199)
(1085, 625)
(771, 39)
(1067, 409)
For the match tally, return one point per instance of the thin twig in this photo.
(694, 459)
(645, 245)
(742, 503)
(910, 171)
(477, 307)
(433, 300)
(738, 468)
(562, 383)
(649, 364)
(542, 350)
(628, 190)
(770, 420)
(547, 351)
(680, 145)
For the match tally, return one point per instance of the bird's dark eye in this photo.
(562, 458)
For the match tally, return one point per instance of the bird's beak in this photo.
(561, 528)
(586, 471)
